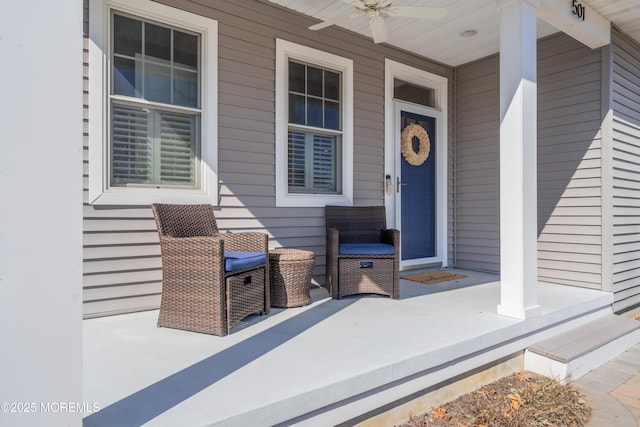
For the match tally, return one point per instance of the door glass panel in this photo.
(405, 91)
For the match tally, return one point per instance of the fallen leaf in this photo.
(516, 400)
(438, 412)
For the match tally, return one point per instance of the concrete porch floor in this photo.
(324, 364)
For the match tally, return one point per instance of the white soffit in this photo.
(441, 40)
(625, 14)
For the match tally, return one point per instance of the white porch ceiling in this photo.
(441, 40)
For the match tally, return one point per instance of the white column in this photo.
(518, 140)
(41, 216)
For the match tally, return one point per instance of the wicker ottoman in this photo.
(290, 273)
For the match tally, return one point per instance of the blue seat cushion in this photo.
(237, 260)
(365, 249)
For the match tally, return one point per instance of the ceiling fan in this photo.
(375, 10)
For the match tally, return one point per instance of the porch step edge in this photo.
(463, 358)
(571, 354)
(584, 339)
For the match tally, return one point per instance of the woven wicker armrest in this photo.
(390, 237)
(248, 242)
(333, 240)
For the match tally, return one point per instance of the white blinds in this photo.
(324, 163)
(297, 160)
(131, 156)
(152, 147)
(312, 162)
(177, 149)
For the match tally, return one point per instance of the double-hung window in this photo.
(154, 105)
(314, 127)
(156, 135)
(315, 131)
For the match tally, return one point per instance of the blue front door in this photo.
(417, 187)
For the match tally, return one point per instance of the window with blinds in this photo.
(312, 163)
(314, 136)
(154, 105)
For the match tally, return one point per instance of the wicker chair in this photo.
(362, 254)
(210, 280)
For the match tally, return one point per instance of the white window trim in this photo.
(284, 51)
(99, 61)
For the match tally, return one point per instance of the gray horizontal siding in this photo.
(477, 166)
(625, 163)
(122, 267)
(569, 163)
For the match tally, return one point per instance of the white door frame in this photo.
(439, 84)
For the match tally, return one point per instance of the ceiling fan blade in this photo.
(417, 12)
(337, 20)
(378, 29)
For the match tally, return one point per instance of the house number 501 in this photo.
(578, 9)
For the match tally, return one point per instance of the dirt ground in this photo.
(520, 400)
